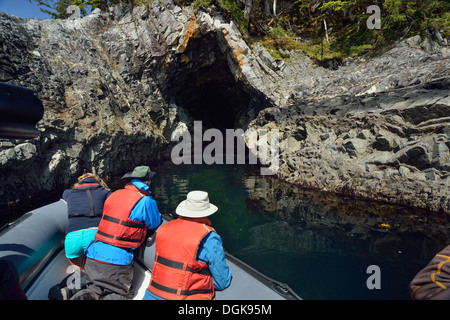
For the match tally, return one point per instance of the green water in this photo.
(317, 243)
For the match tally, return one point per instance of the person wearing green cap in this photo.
(127, 215)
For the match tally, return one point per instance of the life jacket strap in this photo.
(180, 266)
(182, 292)
(138, 225)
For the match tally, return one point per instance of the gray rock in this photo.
(117, 85)
(413, 41)
(355, 147)
(389, 150)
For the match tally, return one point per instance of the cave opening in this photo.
(202, 84)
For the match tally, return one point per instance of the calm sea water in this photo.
(319, 244)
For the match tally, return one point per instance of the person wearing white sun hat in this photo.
(196, 205)
(189, 261)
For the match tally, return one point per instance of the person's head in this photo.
(93, 176)
(142, 173)
(196, 205)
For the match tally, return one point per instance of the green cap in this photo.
(141, 172)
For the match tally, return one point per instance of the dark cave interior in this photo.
(205, 87)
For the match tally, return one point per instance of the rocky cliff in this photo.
(376, 129)
(117, 85)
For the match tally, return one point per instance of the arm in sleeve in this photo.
(433, 281)
(146, 210)
(211, 251)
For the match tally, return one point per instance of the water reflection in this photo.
(318, 243)
(319, 222)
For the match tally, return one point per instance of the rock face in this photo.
(377, 129)
(117, 85)
(390, 147)
(95, 116)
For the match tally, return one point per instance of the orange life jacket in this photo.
(176, 274)
(116, 228)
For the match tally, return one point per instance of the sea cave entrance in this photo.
(201, 83)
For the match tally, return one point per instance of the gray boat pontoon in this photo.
(35, 245)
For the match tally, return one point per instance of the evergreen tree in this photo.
(59, 9)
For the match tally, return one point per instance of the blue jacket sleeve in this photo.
(146, 210)
(211, 251)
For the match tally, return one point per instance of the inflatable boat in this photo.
(21, 110)
(34, 243)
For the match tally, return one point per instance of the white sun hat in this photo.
(196, 205)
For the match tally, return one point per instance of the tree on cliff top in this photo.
(57, 9)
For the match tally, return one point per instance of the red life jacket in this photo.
(116, 228)
(176, 274)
